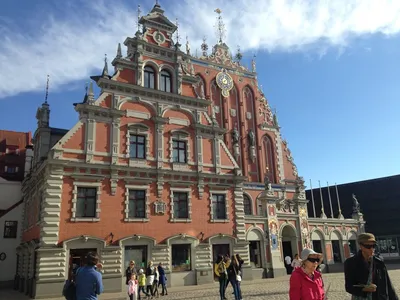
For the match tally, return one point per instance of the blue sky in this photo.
(330, 69)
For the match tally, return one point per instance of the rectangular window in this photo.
(10, 229)
(181, 206)
(181, 258)
(86, 202)
(219, 207)
(11, 170)
(137, 204)
(179, 151)
(137, 146)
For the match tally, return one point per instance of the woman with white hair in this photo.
(306, 282)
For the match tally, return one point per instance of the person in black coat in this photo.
(366, 273)
(129, 271)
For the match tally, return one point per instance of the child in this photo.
(155, 282)
(142, 283)
(133, 287)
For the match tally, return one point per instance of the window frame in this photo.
(143, 130)
(146, 71)
(144, 188)
(269, 158)
(188, 192)
(179, 150)
(249, 205)
(136, 196)
(137, 144)
(164, 76)
(213, 218)
(188, 247)
(81, 184)
(14, 231)
(184, 137)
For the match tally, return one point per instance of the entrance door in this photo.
(255, 254)
(287, 249)
(317, 246)
(137, 254)
(77, 259)
(218, 249)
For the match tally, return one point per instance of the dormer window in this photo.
(149, 77)
(165, 81)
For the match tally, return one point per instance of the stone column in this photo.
(269, 197)
(90, 137)
(114, 147)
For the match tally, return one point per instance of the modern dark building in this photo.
(379, 201)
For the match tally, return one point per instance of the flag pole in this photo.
(312, 199)
(323, 216)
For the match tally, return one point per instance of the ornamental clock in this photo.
(224, 82)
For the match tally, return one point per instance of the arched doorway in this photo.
(352, 239)
(337, 247)
(289, 241)
(318, 243)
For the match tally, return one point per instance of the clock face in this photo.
(225, 82)
(159, 37)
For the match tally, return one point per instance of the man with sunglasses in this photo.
(366, 276)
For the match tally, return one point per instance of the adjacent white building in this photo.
(10, 228)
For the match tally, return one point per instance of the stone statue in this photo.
(356, 204)
(235, 136)
(252, 141)
(253, 65)
(187, 47)
(267, 183)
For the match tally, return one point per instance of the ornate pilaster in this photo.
(217, 156)
(240, 226)
(90, 138)
(49, 227)
(115, 125)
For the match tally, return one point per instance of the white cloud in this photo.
(70, 46)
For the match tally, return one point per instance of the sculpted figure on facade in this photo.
(235, 135)
(199, 88)
(252, 141)
(356, 204)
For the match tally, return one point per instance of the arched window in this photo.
(149, 77)
(269, 159)
(247, 205)
(165, 81)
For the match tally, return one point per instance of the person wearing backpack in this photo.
(88, 281)
(220, 269)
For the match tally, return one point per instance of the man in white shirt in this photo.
(288, 264)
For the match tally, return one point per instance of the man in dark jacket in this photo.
(357, 269)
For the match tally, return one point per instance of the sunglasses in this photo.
(313, 260)
(368, 246)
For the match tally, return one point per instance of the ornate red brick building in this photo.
(177, 160)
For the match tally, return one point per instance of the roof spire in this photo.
(178, 37)
(221, 31)
(238, 55)
(204, 47)
(119, 52)
(105, 69)
(47, 89)
(90, 94)
(138, 18)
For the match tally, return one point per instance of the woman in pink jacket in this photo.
(306, 282)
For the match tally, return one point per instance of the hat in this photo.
(140, 271)
(366, 238)
(307, 252)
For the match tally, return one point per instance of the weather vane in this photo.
(220, 26)
(178, 37)
(47, 89)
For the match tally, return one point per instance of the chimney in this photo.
(28, 159)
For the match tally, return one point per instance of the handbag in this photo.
(238, 277)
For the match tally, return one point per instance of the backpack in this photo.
(221, 268)
(69, 290)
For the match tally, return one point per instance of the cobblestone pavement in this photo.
(277, 289)
(271, 289)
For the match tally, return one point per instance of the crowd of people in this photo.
(366, 276)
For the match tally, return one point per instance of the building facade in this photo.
(178, 159)
(382, 219)
(13, 148)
